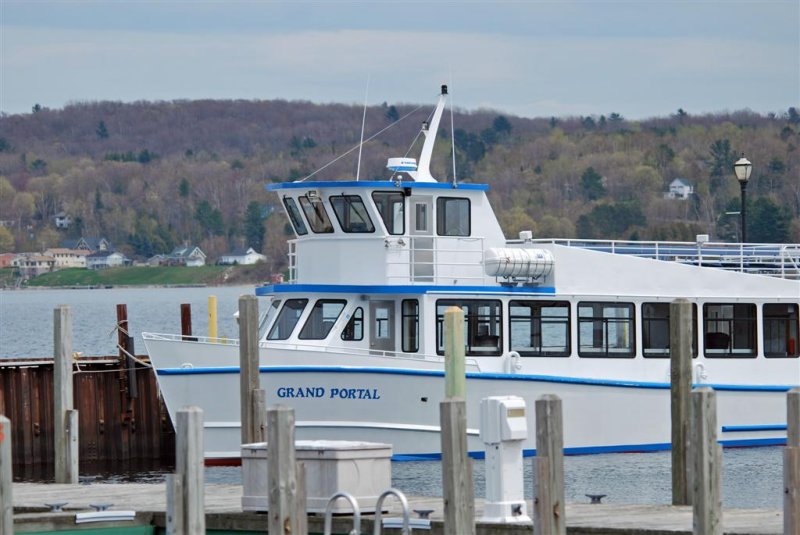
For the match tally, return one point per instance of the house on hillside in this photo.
(105, 259)
(187, 255)
(68, 258)
(62, 220)
(242, 257)
(33, 264)
(7, 259)
(680, 188)
(88, 244)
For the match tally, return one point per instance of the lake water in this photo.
(751, 477)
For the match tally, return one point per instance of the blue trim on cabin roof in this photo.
(470, 375)
(399, 289)
(371, 184)
(753, 428)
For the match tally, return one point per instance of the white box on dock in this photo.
(361, 468)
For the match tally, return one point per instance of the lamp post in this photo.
(743, 168)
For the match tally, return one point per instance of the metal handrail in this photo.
(406, 529)
(356, 513)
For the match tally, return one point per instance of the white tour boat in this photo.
(353, 341)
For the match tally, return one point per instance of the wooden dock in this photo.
(224, 512)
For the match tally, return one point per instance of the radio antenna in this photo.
(363, 122)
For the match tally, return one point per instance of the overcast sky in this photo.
(530, 58)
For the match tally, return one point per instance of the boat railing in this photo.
(772, 259)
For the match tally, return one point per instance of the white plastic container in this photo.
(361, 468)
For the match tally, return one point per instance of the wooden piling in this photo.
(6, 478)
(258, 400)
(707, 453)
(186, 322)
(454, 376)
(248, 363)
(189, 490)
(212, 317)
(549, 507)
(62, 394)
(281, 471)
(301, 502)
(681, 332)
(457, 488)
(791, 464)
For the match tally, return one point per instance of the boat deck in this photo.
(223, 511)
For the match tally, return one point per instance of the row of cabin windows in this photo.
(542, 328)
(452, 214)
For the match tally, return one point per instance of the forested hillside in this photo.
(150, 175)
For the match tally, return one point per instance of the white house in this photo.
(242, 257)
(33, 264)
(68, 258)
(188, 255)
(62, 220)
(105, 259)
(680, 188)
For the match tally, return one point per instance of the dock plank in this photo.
(223, 506)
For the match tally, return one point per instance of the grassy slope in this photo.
(132, 276)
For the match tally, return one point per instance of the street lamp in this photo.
(743, 168)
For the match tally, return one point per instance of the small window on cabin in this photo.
(780, 330)
(606, 330)
(351, 213)
(729, 329)
(287, 319)
(268, 316)
(483, 325)
(295, 217)
(322, 318)
(655, 330)
(410, 325)
(317, 216)
(354, 330)
(420, 217)
(452, 217)
(391, 206)
(539, 328)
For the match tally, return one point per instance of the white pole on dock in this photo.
(66, 457)
(707, 499)
(680, 343)
(188, 486)
(791, 465)
(281, 471)
(459, 494)
(549, 508)
(248, 364)
(6, 486)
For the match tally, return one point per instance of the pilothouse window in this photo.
(322, 318)
(354, 330)
(316, 215)
(391, 206)
(539, 328)
(483, 321)
(452, 216)
(351, 213)
(780, 330)
(287, 319)
(269, 315)
(295, 217)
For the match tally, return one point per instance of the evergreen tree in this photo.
(392, 114)
(254, 226)
(592, 186)
(101, 130)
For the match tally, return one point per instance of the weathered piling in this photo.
(457, 489)
(248, 364)
(212, 317)
(791, 465)
(187, 492)
(186, 322)
(282, 472)
(258, 401)
(707, 453)
(63, 426)
(680, 343)
(6, 477)
(548, 505)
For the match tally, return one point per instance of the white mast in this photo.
(423, 173)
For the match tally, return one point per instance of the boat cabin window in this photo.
(483, 320)
(322, 318)
(729, 329)
(606, 329)
(391, 206)
(287, 319)
(539, 328)
(351, 213)
(655, 330)
(295, 217)
(410, 325)
(780, 330)
(452, 216)
(354, 330)
(269, 315)
(316, 215)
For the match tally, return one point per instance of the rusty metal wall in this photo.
(113, 426)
